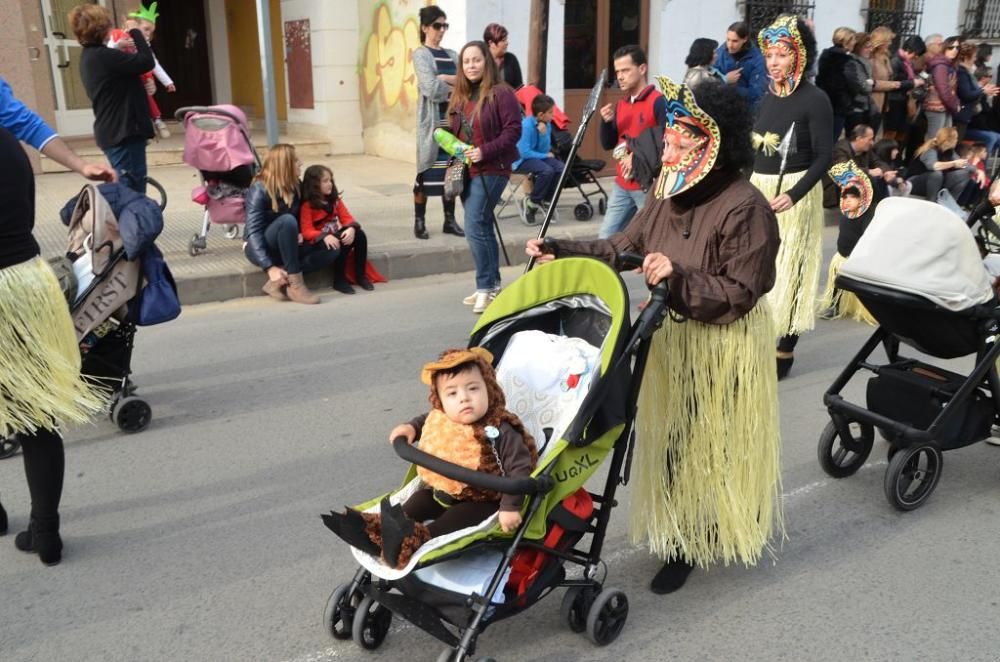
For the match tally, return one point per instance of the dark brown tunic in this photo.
(721, 237)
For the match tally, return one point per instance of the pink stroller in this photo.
(217, 143)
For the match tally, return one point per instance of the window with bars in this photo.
(982, 19)
(759, 14)
(903, 16)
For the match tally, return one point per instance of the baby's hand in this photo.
(509, 520)
(403, 430)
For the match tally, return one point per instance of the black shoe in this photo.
(3, 520)
(396, 527)
(343, 286)
(351, 528)
(671, 576)
(451, 226)
(784, 366)
(365, 284)
(420, 228)
(42, 537)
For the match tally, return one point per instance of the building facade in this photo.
(343, 68)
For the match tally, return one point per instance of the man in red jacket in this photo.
(641, 107)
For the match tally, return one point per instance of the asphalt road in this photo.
(200, 538)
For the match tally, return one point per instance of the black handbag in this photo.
(457, 173)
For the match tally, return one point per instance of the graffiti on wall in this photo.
(388, 81)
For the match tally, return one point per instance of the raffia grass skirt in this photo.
(707, 459)
(841, 303)
(800, 256)
(40, 382)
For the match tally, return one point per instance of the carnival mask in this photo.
(690, 141)
(783, 40)
(848, 176)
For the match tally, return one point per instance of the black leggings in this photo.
(44, 467)
(422, 507)
(787, 343)
(360, 248)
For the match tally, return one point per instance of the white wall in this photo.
(674, 24)
(218, 48)
(554, 55)
(941, 16)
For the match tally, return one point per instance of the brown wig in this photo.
(463, 86)
(496, 414)
(311, 193)
(90, 23)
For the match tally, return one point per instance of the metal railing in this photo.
(759, 14)
(982, 19)
(903, 16)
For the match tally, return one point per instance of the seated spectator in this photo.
(272, 229)
(888, 151)
(701, 63)
(857, 147)
(536, 155)
(937, 166)
(979, 181)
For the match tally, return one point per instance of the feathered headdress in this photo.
(145, 13)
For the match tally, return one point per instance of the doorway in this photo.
(594, 30)
(244, 57)
(181, 47)
(74, 116)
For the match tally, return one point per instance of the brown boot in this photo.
(298, 292)
(275, 290)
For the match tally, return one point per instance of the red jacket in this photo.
(315, 223)
(631, 118)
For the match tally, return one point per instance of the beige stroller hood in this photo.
(921, 248)
(93, 230)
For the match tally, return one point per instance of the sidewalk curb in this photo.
(399, 264)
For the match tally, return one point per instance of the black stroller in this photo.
(919, 272)
(572, 299)
(100, 281)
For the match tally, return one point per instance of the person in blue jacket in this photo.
(28, 127)
(536, 155)
(743, 64)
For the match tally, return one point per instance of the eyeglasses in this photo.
(440, 26)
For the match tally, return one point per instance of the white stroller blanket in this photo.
(545, 378)
(919, 247)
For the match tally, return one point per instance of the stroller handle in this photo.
(182, 113)
(414, 455)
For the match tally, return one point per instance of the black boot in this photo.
(3, 520)
(671, 576)
(419, 228)
(42, 537)
(784, 366)
(451, 226)
(352, 528)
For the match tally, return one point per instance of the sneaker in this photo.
(161, 128)
(471, 299)
(482, 302)
(530, 210)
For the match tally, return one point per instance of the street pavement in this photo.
(200, 538)
(378, 192)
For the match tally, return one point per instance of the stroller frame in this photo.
(915, 452)
(363, 609)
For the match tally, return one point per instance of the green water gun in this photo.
(451, 144)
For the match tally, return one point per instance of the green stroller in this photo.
(458, 584)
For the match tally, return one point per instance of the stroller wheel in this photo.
(338, 616)
(371, 624)
(606, 616)
(232, 231)
(575, 604)
(583, 211)
(843, 457)
(8, 447)
(196, 245)
(912, 475)
(131, 414)
(602, 206)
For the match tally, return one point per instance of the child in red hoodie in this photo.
(324, 218)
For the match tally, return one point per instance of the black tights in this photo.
(360, 248)
(421, 507)
(787, 343)
(44, 466)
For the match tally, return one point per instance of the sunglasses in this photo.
(440, 26)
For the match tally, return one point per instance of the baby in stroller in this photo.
(468, 425)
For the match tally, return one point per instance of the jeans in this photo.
(546, 173)
(989, 138)
(622, 206)
(936, 121)
(128, 158)
(929, 183)
(479, 199)
(282, 238)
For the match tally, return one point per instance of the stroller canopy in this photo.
(217, 139)
(921, 248)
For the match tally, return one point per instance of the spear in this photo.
(784, 148)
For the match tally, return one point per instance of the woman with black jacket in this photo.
(111, 78)
(832, 77)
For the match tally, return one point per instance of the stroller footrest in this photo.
(424, 617)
